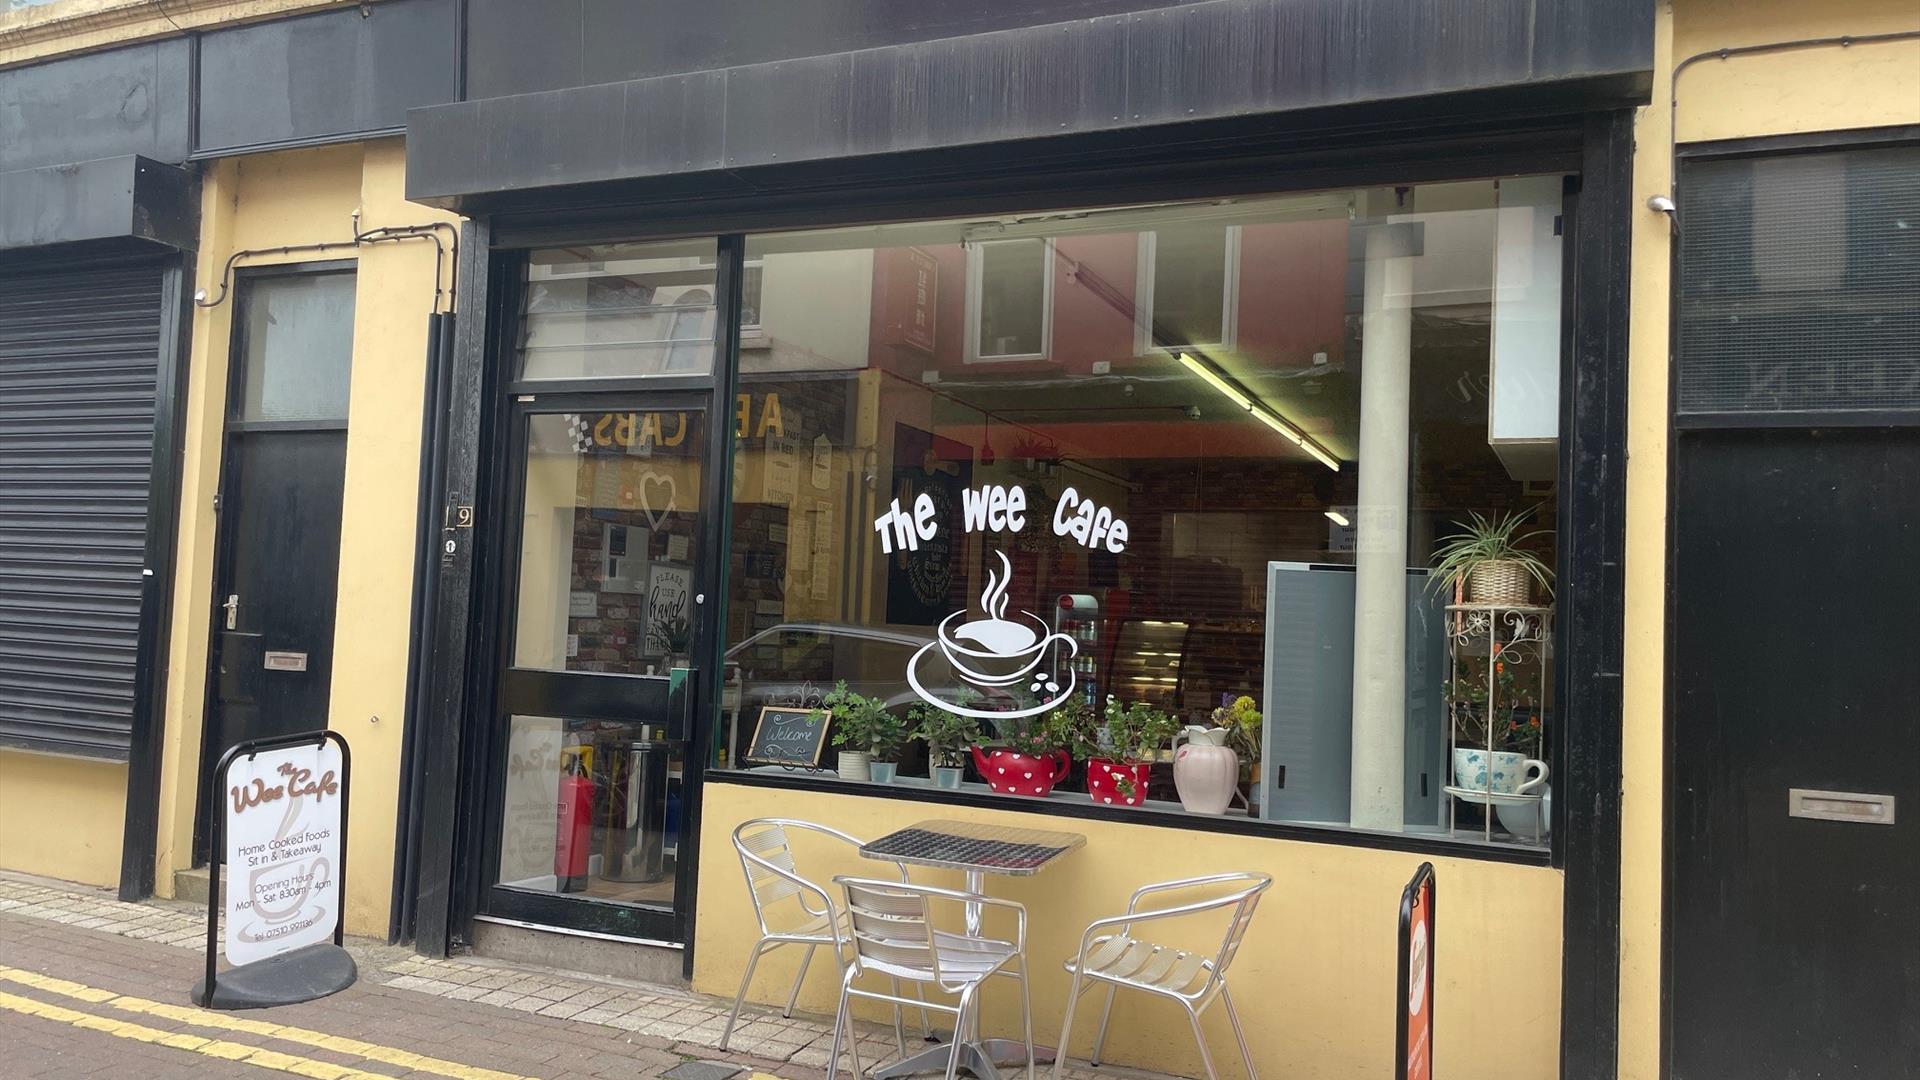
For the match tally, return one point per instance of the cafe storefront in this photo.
(1001, 361)
(832, 474)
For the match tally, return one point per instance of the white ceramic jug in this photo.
(1205, 771)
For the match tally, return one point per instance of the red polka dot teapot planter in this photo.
(1118, 783)
(1012, 773)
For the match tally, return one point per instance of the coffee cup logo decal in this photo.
(996, 651)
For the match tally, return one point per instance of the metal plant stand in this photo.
(1483, 640)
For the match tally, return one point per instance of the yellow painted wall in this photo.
(1825, 89)
(88, 798)
(1822, 89)
(301, 197)
(1644, 656)
(1314, 981)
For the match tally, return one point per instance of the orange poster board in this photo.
(1413, 992)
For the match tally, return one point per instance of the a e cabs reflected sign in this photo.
(1413, 993)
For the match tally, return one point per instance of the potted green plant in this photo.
(885, 741)
(1119, 750)
(869, 737)
(947, 735)
(1487, 562)
(1242, 721)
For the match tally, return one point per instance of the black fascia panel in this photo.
(108, 199)
(327, 76)
(131, 100)
(1127, 72)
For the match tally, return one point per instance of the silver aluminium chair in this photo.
(1111, 952)
(791, 909)
(892, 933)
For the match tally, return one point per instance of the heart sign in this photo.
(657, 493)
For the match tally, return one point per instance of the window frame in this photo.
(752, 334)
(976, 280)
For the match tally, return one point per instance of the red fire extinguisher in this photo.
(573, 831)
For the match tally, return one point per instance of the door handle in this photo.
(233, 609)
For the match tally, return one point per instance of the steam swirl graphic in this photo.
(994, 600)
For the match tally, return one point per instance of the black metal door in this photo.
(282, 483)
(273, 628)
(1795, 755)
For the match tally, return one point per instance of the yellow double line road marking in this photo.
(230, 1051)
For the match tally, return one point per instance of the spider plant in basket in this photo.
(1488, 561)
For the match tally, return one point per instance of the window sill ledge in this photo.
(1157, 814)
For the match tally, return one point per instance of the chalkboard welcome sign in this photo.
(791, 737)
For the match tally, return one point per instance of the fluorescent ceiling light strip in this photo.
(1285, 429)
(1300, 439)
(1260, 412)
(1338, 518)
(1320, 455)
(1214, 380)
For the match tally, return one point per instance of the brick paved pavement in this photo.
(91, 986)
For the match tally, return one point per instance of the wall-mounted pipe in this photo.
(1730, 52)
(430, 231)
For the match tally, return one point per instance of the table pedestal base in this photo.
(978, 1057)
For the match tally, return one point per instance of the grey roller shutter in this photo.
(79, 358)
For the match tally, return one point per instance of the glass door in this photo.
(604, 588)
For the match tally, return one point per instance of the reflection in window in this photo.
(1013, 299)
(609, 520)
(619, 310)
(1243, 517)
(1188, 287)
(1801, 283)
(752, 277)
(584, 810)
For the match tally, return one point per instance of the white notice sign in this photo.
(283, 850)
(781, 469)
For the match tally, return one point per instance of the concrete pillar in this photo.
(1380, 533)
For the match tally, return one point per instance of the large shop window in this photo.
(1253, 514)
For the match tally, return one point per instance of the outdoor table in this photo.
(976, 851)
